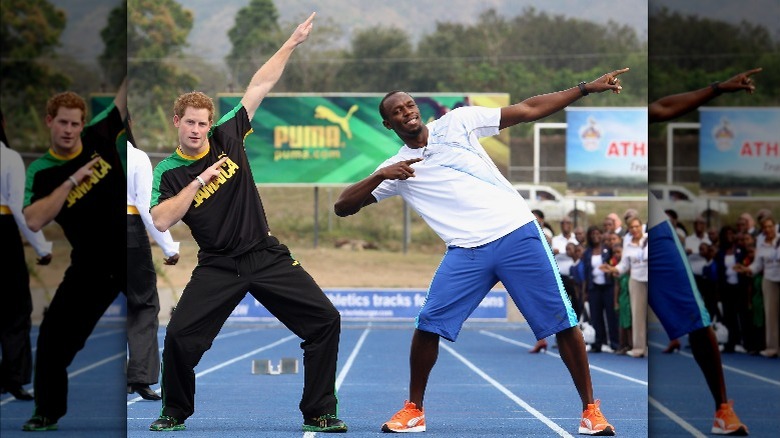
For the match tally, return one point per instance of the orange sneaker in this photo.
(408, 419)
(727, 422)
(594, 423)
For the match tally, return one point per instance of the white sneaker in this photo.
(607, 349)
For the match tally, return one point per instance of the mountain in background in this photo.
(81, 37)
(208, 38)
(213, 19)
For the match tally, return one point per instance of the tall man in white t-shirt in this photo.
(444, 173)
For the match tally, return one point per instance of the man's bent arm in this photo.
(358, 195)
(41, 212)
(170, 211)
(266, 77)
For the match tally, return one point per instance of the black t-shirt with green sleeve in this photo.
(93, 216)
(226, 217)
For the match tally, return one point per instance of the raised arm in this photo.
(358, 195)
(266, 77)
(670, 107)
(537, 107)
(120, 99)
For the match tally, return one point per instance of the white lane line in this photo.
(351, 359)
(593, 367)
(508, 393)
(674, 417)
(230, 361)
(725, 367)
(77, 372)
(343, 374)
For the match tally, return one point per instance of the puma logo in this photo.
(322, 112)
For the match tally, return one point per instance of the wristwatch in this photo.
(715, 87)
(582, 88)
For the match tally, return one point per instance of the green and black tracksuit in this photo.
(237, 255)
(92, 220)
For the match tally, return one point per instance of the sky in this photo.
(763, 12)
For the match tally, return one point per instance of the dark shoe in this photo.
(144, 391)
(541, 346)
(19, 393)
(39, 423)
(166, 424)
(674, 345)
(595, 348)
(327, 423)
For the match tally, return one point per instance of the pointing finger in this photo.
(619, 72)
(220, 162)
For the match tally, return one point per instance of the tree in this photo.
(156, 32)
(113, 60)
(380, 61)
(30, 31)
(255, 37)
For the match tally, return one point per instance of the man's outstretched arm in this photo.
(266, 77)
(671, 107)
(537, 107)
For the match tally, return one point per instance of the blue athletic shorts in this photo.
(522, 261)
(673, 294)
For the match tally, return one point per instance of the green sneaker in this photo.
(166, 424)
(327, 423)
(39, 423)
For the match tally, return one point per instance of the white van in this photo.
(687, 205)
(553, 204)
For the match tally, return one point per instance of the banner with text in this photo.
(378, 304)
(738, 149)
(339, 138)
(606, 149)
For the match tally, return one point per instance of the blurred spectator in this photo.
(546, 228)
(746, 224)
(608, 225)
(579, 235)
(634, 261)
(600, 292)
(678, 226)
(767, 261)
(578, 277)
(619, 230)
(733, 296)
(760, 216)
(707, 281)
(563, 249)
(623, 303)
(714, 235)
(699, 236)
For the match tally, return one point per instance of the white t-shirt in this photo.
(457, 189)
(767, 259)
(565, 262)
(634, 259)
(693, 242)
(12, 180)
(139, 194)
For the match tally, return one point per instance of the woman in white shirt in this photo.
(635, 259)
